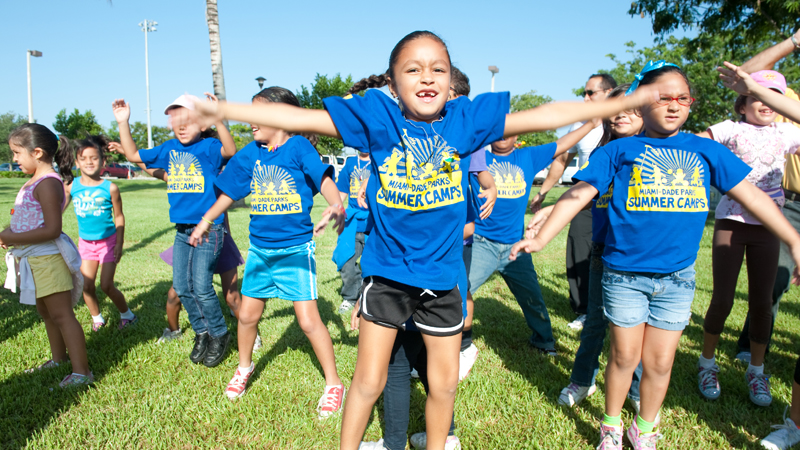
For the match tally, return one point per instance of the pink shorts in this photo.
(102, 250)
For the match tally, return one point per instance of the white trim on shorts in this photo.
(364, 297)
(439, 330)
(312, 270)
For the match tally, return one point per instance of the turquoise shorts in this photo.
(289, 273)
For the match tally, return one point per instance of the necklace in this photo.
(358, 165)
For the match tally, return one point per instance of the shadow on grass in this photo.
(146, 241)
(294, 337)
(29, 402)
(15, 317)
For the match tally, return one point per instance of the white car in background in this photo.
(569, 171)
(541, 176)
(336, 161)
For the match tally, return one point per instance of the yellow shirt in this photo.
(791, 176)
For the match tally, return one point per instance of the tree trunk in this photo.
(212, 17)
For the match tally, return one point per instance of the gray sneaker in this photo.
(257, 344)
(743, 356)
(169, 335)
(346, 306)
(784, 437)
(708, 383)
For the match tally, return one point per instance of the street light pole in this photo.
(494, 71)
(261, 81)
(148, 26)
(36, 54)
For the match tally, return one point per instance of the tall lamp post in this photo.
(148, 26)
(261, 81)
(494, 71)
(36, 54)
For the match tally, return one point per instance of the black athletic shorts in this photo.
(390, 304)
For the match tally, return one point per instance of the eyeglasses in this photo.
(591, 93)
(683, 101)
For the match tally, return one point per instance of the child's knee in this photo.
(310, 325)
(370, 387)
(248, 319)
(89, 287)
(627, 360)
(107, 286)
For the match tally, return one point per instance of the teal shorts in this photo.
(289, 273)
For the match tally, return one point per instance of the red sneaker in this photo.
(331, 401)
(238, 384)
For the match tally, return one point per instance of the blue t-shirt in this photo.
(92, 205)
(600, 216)
(353, 174)
(417, 204)
(513, 175)
(282, 185)
(659, 205)
(191, 171)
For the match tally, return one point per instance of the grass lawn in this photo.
(151, 396)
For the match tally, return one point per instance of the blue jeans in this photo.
(587, 360)
(192, 276)
(408, 352)
(489, 256)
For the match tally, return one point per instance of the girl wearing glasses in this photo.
(656, 217)
(761, 143)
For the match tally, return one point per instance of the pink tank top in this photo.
(27, 214)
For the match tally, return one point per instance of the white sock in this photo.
(705, 363)
(247, 369)
(127, 315)
(758, 370)
(98, 319)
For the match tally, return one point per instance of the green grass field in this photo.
(151, 396)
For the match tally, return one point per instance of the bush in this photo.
(14, 175)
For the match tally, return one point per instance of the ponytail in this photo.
(64, 159)
(372, 81)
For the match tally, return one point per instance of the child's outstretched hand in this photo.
(737, 79)
(643, 95)
(199, 234)
(354, 320)
(361, 197)
(525, 245)
(491, 197)
(537, 222)
(116, 147)
(335, 212)
(122, 110)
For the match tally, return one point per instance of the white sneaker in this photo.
(743, 356)
(169, 335)
(784, 437)
(414, 373)
(372, 445)
(257, 344)
(466, 360)
(577, 324)
(574, 394)
(346, 306)
(420, 442)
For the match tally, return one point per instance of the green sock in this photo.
(614, 421)
(644, 426)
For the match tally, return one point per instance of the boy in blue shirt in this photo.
(513, 173)
(350, 245)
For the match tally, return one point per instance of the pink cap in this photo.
(770, 80)
(186, 101)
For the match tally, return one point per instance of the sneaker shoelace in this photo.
(759, 384)
(609, 436)
(648, 440)
(708, 377)
(331, 400)
(239, 380)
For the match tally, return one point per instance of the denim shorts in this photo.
(662, 300)
(289, 273)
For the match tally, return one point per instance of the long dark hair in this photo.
(608, 136)
(32, 135)
(98, 142)
(377, 81)
(277, 94)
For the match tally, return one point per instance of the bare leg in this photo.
(317, 333)
(59, 306)
(57, 346)
(658, 354)
(89, 271)
(372, 365)
(442, 385)
(249, 315)
(794, 411)
(757, 353)
(107, 286)
(230, 289)
(470, 312)
(710, 342)
(624, 356)
(173, 309)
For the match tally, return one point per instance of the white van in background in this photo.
(336, 161)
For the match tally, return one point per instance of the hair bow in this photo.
(649, 67)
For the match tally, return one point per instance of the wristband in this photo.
(341, 208)
(796, 44)
(207, 221)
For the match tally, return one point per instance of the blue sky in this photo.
(94, 51)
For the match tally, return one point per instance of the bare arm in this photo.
(489, 193)
(767, 58)
(557, 168)
(122, 113)
(67, 196)
(705, 134)
(335, 210)
(343, 197)
(570, 204)
(572, 138)
(217, 209)
(737, 79)
(119, 221)
(49, 194)
(555, 115)
(276, 115)
(228, 144)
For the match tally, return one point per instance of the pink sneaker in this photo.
(97, 325)
(124, 323)
(76, 379)
(331, 401)
(238, 384)
(610, 437)
(641, 440)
